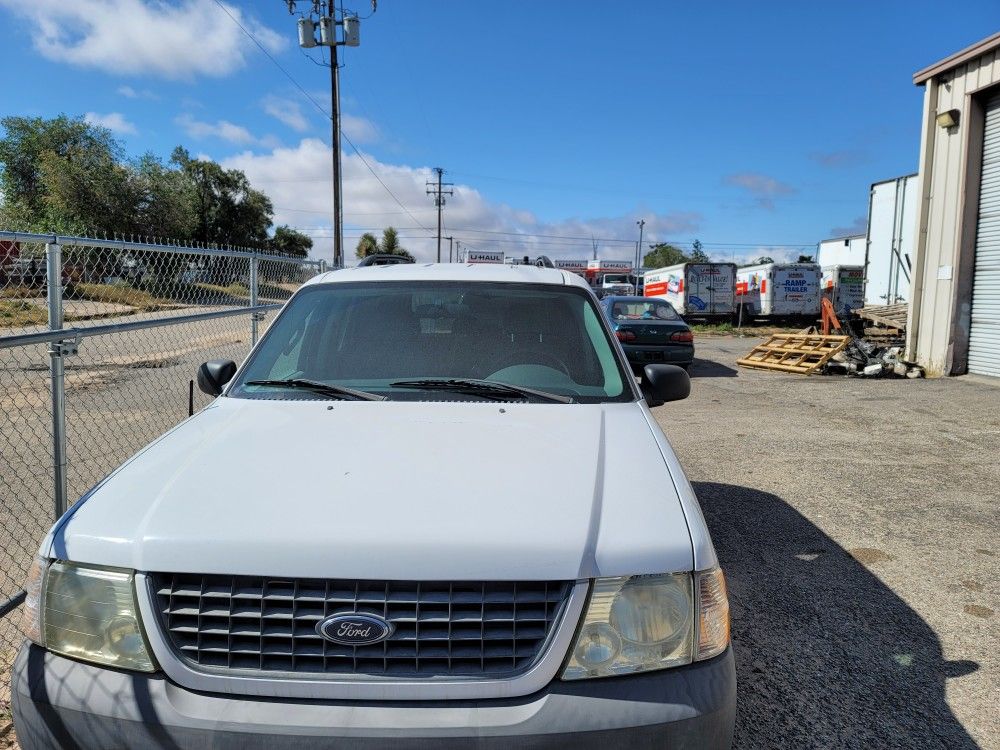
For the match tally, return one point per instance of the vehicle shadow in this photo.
(706, 368)
(827, 655)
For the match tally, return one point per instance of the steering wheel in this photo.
(536, 357)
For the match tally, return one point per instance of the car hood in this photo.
(391, 490)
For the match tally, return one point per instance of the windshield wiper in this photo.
(326, 389)
(485, 388)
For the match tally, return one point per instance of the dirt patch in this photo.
(977, 610)
(869, 555)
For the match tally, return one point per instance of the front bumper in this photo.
(651, 354)
(59, 702)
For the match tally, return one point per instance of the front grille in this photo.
(493, 630)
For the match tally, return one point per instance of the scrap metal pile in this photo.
(846, 353)
(871, 360)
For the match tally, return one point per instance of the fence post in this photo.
(253, 300)
(57, 375)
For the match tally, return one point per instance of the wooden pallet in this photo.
(794, 352)
(887, 316)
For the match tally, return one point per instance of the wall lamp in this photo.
(948, 119)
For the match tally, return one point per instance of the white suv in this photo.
(431, 508)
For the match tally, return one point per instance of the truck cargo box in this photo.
(695, 289)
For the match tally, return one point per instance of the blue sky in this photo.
(755, 127)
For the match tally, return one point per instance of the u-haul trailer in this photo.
(779, 290)
(845, 287)
(695, 289)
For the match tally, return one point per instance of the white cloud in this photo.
(287, 111)
(172, 40)
(222, 129)
(762, 189)
(130, 93)
(113, 121)
(359, 129)
(298, 181)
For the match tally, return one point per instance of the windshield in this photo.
(370, 336)
(644, 310)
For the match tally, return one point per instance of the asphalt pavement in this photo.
(857, 523)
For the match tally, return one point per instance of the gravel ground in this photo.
(857, 522)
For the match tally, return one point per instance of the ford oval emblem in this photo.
(354, 629)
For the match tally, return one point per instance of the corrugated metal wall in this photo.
(984, 330)
(943, 171)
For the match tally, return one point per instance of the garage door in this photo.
(984, 334)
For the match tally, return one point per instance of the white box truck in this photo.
(695, 289)
(779, 290)
(892, 224)
(845, 287)
(843, 251)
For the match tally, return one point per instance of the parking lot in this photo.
(856, 520)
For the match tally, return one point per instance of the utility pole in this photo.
(323, 13)
(638, 252)
(451, 242)
(438, 191)
(338, 215)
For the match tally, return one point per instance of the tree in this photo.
(228, 210)
(61, 175)
(287, 241)
(389, 245)
(697, 254)
(662, 255)
(367, 245)
(763, 259)
(805, 259)
(65, 175)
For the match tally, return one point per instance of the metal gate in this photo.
(984, 333)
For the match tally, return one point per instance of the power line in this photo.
(323, 111)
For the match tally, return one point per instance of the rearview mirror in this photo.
(662, 383)
(214, 374)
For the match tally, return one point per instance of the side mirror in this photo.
(662, 383)
(214, 374)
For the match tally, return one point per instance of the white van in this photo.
(779, 290)
(338, 553)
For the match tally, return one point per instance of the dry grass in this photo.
(15, 313)
(116, 294)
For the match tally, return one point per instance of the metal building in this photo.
(954, 317)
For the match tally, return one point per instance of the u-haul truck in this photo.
(779, 289)
(610, 276)
(845, 287)
(695, 289)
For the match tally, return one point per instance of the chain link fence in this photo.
(102, 363)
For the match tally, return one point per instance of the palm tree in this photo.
(367, 245)
(390, 243)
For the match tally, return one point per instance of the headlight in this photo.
(90, 614)
(642, 623)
